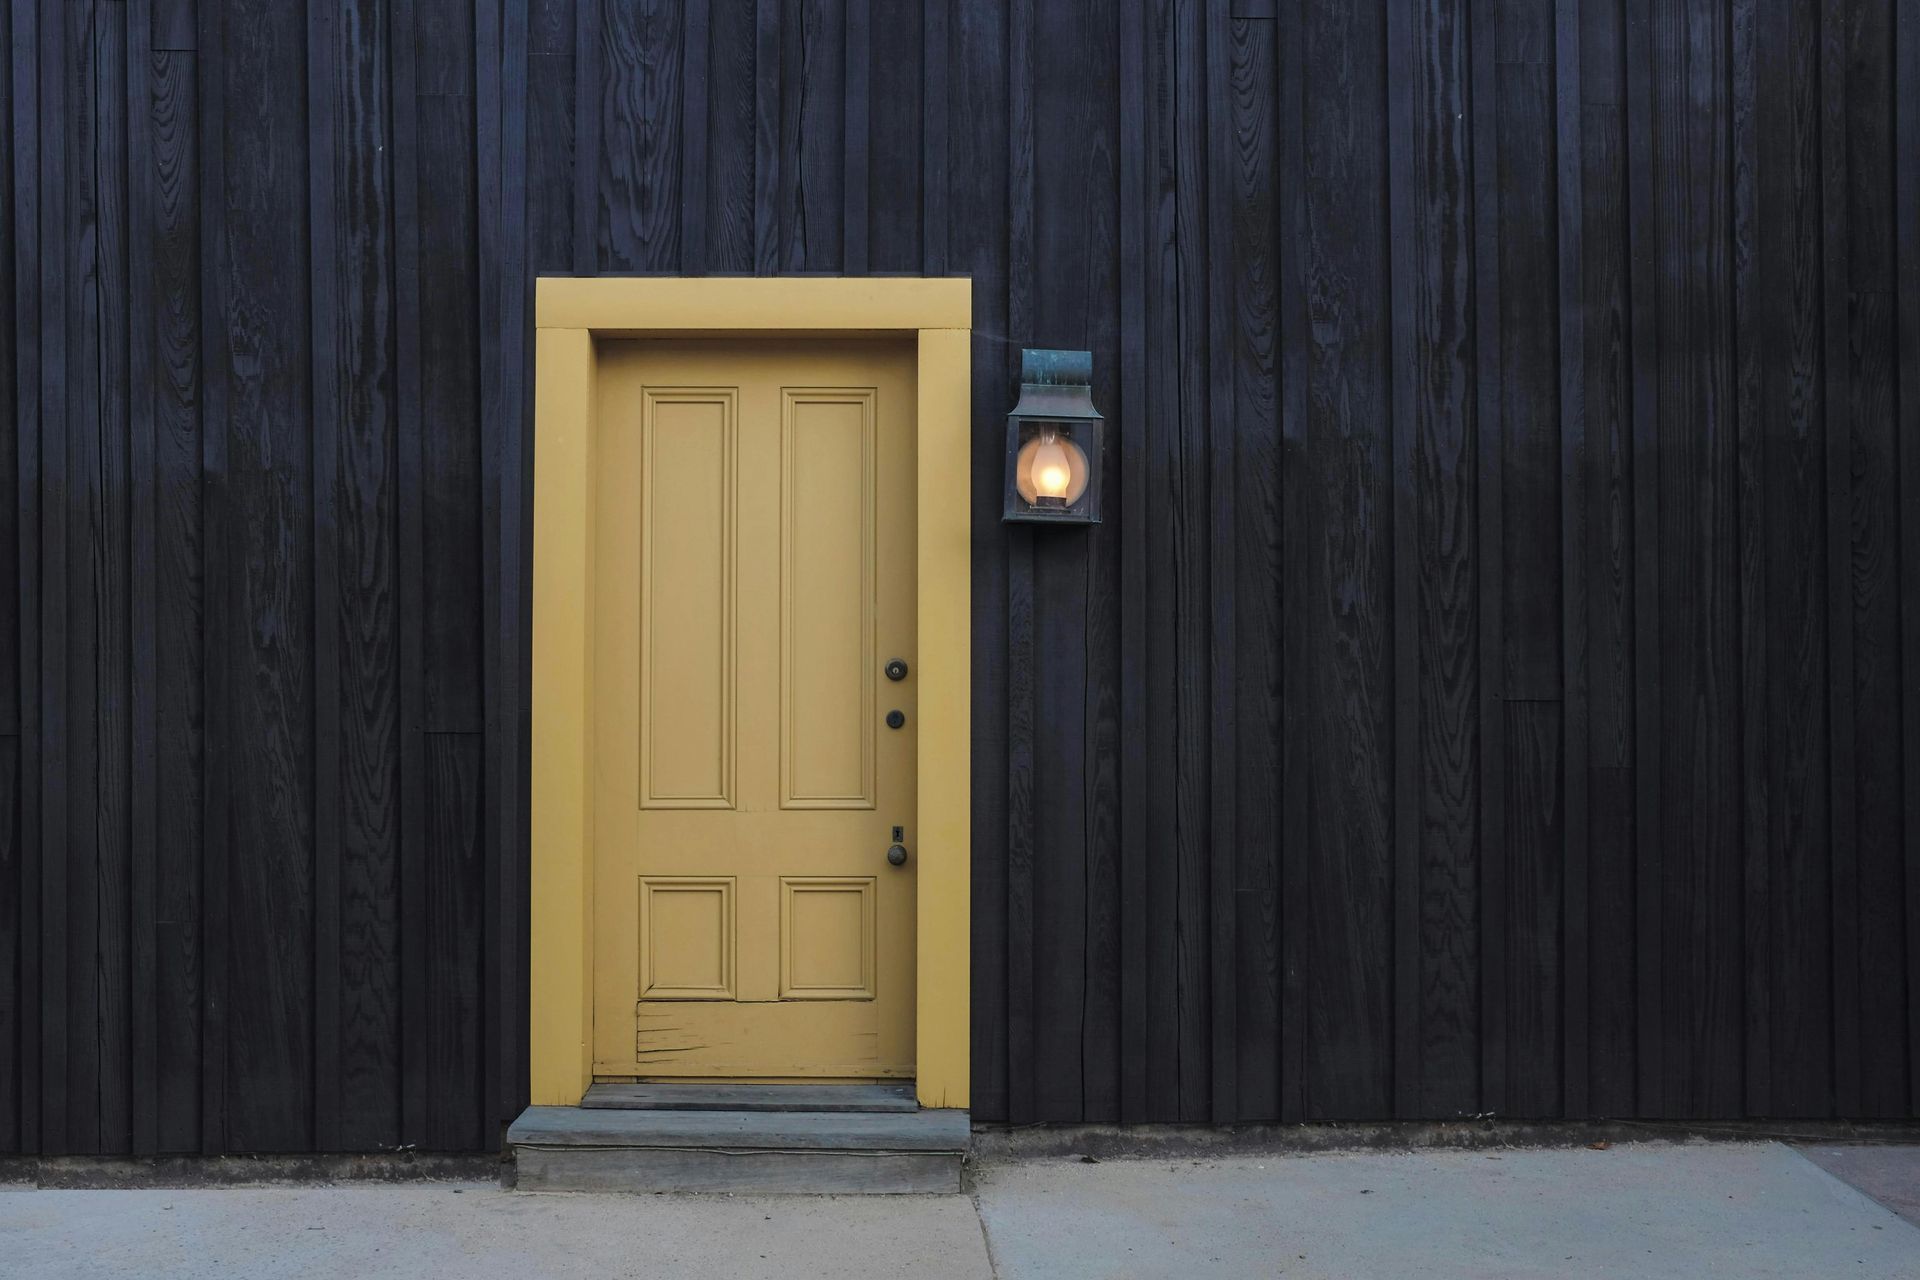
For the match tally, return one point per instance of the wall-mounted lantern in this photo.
(1053, 441)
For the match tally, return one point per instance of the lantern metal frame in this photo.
(1056, 393)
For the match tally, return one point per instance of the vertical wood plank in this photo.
(768, 219)
(1906, 134)
(322, 46)
(491, 265)
(1787, 341)
(1749, 374)
(857, 138)
(1213, 98)
(181, 746)
(1574, 534)
(1877, 929)
(28, 273)
(1129, 432)
(1295, 545)
(215, 645)
(270, 620)
(1650, 978)
(1023, 1067)
(1842, 765)
(640, 132)
(12, 847)
(1259, 561)
(695, 102)
(1607, 498)
(732, 91)
(54, 429)
(144, 623)
(1402, 24)
(589, 27)
(978, 204)
(409, 500)
(362, 259)
(1490, 548)
(1349, 1017)
(454, 882)
(899, 146)
(933, 137)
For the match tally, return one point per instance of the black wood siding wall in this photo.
(1496, 687)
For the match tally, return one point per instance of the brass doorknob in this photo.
(897, 854)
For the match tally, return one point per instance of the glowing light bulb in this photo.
(1052, 470)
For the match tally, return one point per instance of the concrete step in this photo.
(816, 1152)
(750, 1097)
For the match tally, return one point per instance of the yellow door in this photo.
(754, 565)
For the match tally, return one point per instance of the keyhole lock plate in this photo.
(896, 670)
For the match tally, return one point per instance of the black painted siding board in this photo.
(1569, 156)
(11, 845)
(1027, 1017)
(324, 347)
(1212, 94)
(409, 515)
(1403, 95)
(55, 427)
(215, 644)
(1750, 506)
(1348, 1033)
(1906, 133)
(1296, 782)
(180, 598)
(1259, 566)
(1837, 386)
(270, 623)
(1872, 517)
(142, 584)
(365, 577)
(1127, 442)
(978, 209)
(1485, 128)
(1650, 980)
(25, 187)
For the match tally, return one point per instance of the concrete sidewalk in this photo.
(1747, 1209)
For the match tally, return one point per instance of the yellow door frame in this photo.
(568, 315)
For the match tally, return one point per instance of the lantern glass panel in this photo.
(1053, 470)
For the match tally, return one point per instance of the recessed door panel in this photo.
(753, 571)
(827, 668)
(687, 597)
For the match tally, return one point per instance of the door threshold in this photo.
(757, 1096)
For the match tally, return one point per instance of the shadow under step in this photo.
(815, 1152)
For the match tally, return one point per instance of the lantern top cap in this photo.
(1056, 385)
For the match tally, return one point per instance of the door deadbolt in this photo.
(896, 670)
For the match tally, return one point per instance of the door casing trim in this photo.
(569, 313)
